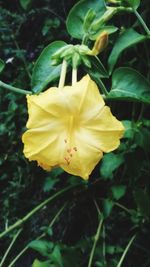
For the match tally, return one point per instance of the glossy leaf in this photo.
(107, 206)
(109, 164)
(44, 72)
(2, 65)
(75, 20)
(127, 39)
(56, 256)
(109, 29)
(25, 4)
(142, 138)
(128, 84)
(118, 191)
(38, 263)
(42, 246)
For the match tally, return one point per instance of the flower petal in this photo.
(106, 129)
(45, 145)
(83, 155)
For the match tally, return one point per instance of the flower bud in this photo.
(90, 16)
(100, 44)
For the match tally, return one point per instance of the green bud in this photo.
(86, 61)
(55, 62)
(67, 52)
(105, 17)
(57, 54)
(90, 16)
(83, 49)
(76, 60)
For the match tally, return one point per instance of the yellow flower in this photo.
(70, 128)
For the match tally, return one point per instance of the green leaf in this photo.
(38, 263)
(25, 4)
(118, 191)
(109, 164)
(142, 200)
(44, 72)
(129, 129)
(97, 69)
(77, 14)
(142, 138)
(107, 205)
(49, 184)
(2, 65)
(56, 257)
(128, 84)
(42, 246)
(109, 29)
(127, 39)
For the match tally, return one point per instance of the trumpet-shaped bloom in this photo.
(70, 128)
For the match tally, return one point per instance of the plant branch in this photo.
(32, 212)
(125, 251)
(14, 89)
(102, 87)
(10, 246)
(38, 238)
(96, 237)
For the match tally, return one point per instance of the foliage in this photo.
(90, 223)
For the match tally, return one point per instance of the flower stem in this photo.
(103, 88)
(125, 251)
(74, 76)
(10, 246)
(96, 237)
(63, 74)
(32, 212)
(14, 89)
(38, 238)
(141, 21)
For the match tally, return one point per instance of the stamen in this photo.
(75, 148)
(65, 140)
(67, 160)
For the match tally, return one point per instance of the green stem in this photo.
(63, 74)
(125, 251)
(123, 207)
(103, 88)
(96, 237)
(32, 212)
(38, 238)
(10, 246)
(14, 89)
(141, 21)
(74, 76)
